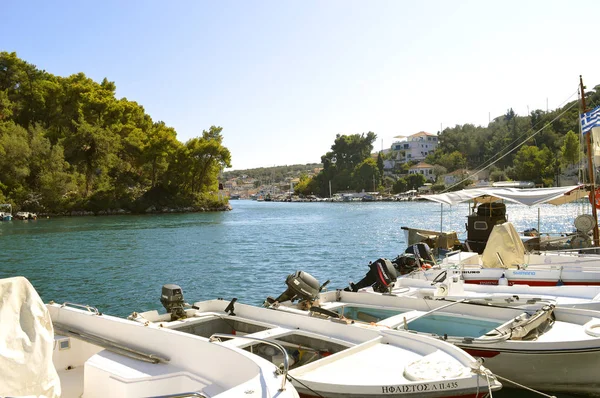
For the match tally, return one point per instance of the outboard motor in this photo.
(301, 285)
(405, 263)
(422, 252)
(381, 275)
(172, 300)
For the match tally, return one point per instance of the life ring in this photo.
(597, 204)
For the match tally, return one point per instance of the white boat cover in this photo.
(527, 196)
(504, 248)
(26, 342)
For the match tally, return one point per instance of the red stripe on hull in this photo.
(481, 353)
(480, 395)
(533, 283)
(513, 282)
(582, 283)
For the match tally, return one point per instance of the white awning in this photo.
(528, 196)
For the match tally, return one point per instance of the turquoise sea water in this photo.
(119, 263)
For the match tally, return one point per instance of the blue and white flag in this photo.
(590, 119)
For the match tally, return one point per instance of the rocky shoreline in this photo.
(149, 210)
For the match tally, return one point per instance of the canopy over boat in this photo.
(527, 196)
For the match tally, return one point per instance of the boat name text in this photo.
(418, 387)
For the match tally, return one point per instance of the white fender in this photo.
(592, 327)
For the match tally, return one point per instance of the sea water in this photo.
(119, 263)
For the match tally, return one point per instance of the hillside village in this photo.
(404, 157)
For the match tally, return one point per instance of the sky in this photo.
(284, 77)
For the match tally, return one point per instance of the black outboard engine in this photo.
(172, 300)
(422, 252)
(301, 285)
(381, 275)
(405, 263)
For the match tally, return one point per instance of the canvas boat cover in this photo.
(504, 248)
(26, 342)
(527, 196)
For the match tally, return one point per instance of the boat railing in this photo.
(84, 306)
(593, 249)
(286, 360)
(110, 345)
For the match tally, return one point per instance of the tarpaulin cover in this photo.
(26, 342)
(527, 196)
(504, 248)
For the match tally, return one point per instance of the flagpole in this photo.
(588, 142)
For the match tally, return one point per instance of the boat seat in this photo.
(107, 374)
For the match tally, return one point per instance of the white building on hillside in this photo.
(423, 168)
(415, 147)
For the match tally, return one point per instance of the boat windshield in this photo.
(451, 325)
(367, 314)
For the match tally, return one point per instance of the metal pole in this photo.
(588, 141)
(441, 217)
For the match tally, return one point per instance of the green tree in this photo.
(380, 163)
(366, 175)
(348, 151)
(534, 164)
(400, 186)
(160, 145)
(439, 171)
(416, 180)
(453, 161)
(570, 148)
(206, 157)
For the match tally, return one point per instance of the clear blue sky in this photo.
(284, 77)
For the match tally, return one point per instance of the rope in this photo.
(292, 378)
(478, 369)
(525, 387)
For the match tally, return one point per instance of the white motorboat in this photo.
(500, 247)
(61, 351)
(546, 348)
(453, 287)
(25, 215)
(6, 215)
(330, 359)
(505, 256)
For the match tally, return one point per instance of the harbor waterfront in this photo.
(119, 263)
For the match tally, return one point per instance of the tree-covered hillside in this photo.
(68, 144)
(275, 173)
(534, 147)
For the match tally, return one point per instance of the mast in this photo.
(588, 143)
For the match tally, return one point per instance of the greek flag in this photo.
(590, 119)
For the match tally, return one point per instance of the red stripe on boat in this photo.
(481, 353)
(513, 282)
(480, 395)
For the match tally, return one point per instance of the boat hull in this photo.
(349, 394)
(532, 276)
(572, 371)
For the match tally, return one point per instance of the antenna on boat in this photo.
(588, 142)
